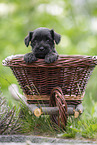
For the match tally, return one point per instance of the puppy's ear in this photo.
(28, 38)
(56, 36)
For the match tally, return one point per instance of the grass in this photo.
(37, 125)
(85, 126)
(81, 127)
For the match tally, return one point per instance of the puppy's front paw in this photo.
(51, 58)
(29, 58)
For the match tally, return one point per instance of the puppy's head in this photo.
(42, 41)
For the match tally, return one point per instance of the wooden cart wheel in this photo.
(57, 100)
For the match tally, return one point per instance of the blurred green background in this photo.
(75, 20)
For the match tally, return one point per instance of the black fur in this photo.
(42, 41)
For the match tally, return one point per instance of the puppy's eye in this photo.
(34, 42)
(48, 40)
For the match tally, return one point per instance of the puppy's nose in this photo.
(41, 48)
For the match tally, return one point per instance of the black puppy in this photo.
(43, 45)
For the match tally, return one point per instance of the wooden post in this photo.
(42, 109)
(78, 110)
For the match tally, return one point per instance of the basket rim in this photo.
(63, 60)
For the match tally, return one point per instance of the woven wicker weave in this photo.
(71, 73)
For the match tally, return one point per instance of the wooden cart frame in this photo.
(60, 84)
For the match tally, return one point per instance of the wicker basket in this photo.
(71, 73)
